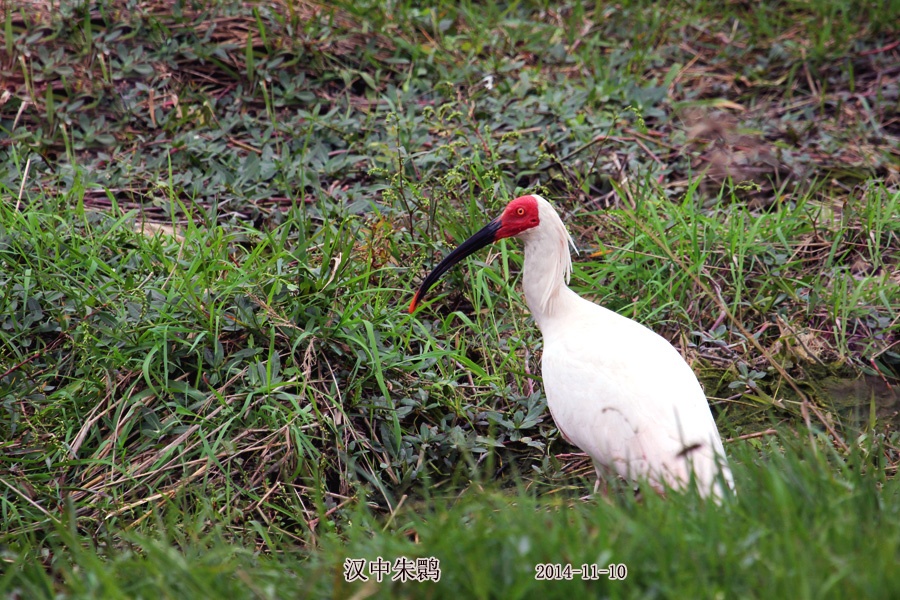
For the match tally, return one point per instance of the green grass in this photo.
(213, 219)
(807, 523)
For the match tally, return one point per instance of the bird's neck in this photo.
(547, 265)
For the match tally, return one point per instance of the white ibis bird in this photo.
(616, 389)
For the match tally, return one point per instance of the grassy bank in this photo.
(213, 218)
(806, 524)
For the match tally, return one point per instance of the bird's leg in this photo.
(600, 484)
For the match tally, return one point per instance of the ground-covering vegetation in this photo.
(213, 216)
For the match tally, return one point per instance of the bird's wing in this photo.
(625, 396)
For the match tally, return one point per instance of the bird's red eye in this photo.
(520, 211)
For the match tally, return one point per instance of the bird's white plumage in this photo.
(616, 389)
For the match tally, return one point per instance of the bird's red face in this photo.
(520, 214)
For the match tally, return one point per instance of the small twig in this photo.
(529, 385)
(37, 353)
(585, 29)
(599, 138)
(22, 108)
(312, 524)
(624, 182)
(810, 81)
(649, 152)
(394, 511)
(647, 137)
(258, 503)
(880, 374)
(29, 500)
(748, 436)
(243, 145)
(22, 187)
(828, 426)
(804, 412)
(718, 321)
(885, 48)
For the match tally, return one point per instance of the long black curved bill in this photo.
(486, 235)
